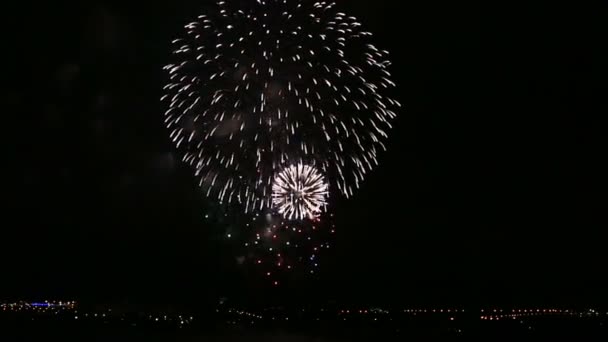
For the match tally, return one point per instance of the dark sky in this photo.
(491, 192)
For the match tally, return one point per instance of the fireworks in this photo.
(299, 192)
(258, 85)
(278, 249)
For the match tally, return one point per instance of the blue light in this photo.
(40, 304)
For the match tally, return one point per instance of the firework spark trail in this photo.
(258, 85)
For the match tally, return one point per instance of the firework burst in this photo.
(257, 85)
(299, 192)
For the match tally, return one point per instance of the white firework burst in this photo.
(253, 85)
(299, 191)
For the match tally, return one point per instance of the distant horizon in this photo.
(330, 304)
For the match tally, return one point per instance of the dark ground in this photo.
(419, 329)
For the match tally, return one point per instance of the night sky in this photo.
(492, 190)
